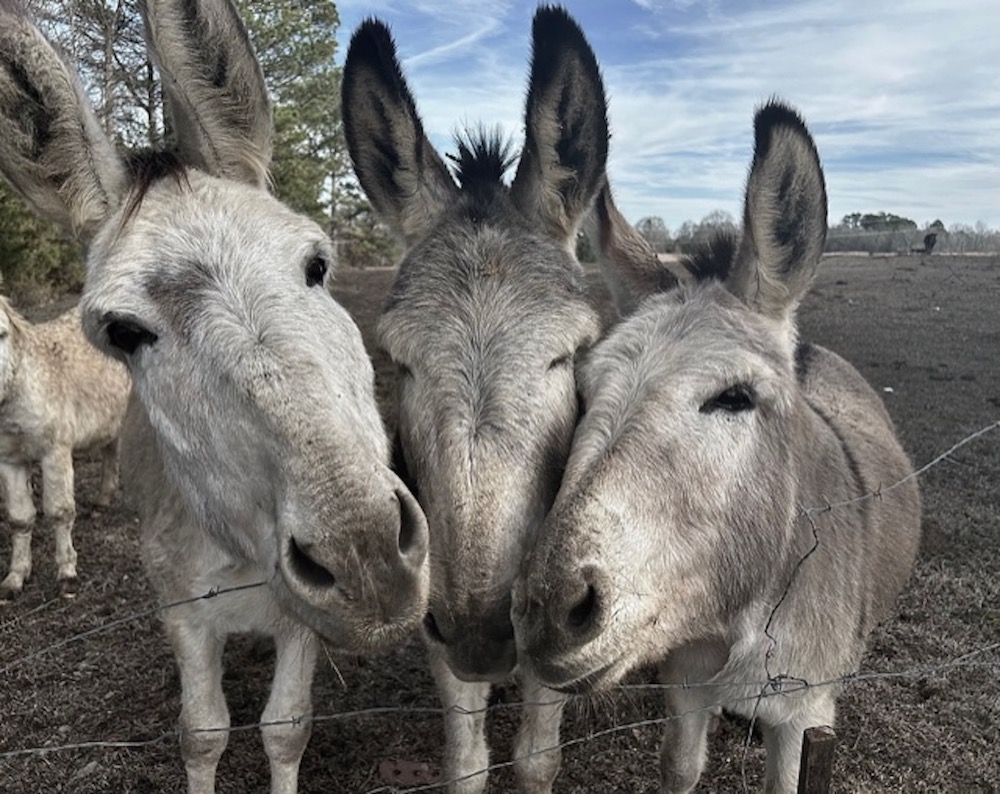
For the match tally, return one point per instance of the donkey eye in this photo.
(316, 271)
(561, 361)
(127, 335)
(733, 400)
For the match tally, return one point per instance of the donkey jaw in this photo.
(579, 676)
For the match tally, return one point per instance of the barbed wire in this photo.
(213, 592)
(772, 685)
(781, 686)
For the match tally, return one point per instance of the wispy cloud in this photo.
(903, 99)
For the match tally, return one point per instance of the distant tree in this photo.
(655, 232)
(852, 221)
(104, 41)
(690, 234)
(296, 44)
(362, 240)
(34, 259)
(886, 222)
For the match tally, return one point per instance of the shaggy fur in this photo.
(58, 395)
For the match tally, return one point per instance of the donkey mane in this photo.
(712, 258)
(484, 156)
(145, 168)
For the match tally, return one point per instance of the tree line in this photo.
(296, 46)
(873, 232)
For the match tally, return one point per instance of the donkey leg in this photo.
(691, 709)
(537, 754)
(465, 753)
(204, 722)
(783, 740)
(21, 515)
(685, 740)
(109, 474)
(287, 724)
(59, 506)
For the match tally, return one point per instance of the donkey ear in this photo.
(629, 265)
(213, 86)
(784, 219)
(52, 148)
(404, 177)
(566, 127)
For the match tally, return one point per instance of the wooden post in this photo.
(816, 769)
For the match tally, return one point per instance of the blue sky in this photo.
(903, 98)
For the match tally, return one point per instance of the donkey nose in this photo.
(579, 612)
(479, 647)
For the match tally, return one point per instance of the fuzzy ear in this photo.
(566, 127)
(784, 219)
(213, 86)
(403, 176)
(628, 264)
(52, 148)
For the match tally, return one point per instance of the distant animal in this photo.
(484, 322)
(930, 240)
(252, 447)
(58, 395)
(736, 505)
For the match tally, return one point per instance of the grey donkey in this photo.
(736, 505)
(58, 395)
(484, 322)
(252, 447)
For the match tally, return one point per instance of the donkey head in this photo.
(486, 317)
(253, 381)
(681, 480)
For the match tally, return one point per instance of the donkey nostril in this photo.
(583, 613)
(306, 568)
(410, 536)
(431, 627)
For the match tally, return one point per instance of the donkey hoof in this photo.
(67, 587)
(8, 594)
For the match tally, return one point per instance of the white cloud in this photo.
(903, 99)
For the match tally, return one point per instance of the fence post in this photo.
(816, 769)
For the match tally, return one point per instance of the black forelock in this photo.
(484, 156)
(148, 166)
(712, 258)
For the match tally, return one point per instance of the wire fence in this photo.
(770, 685)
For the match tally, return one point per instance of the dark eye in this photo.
(316, 271)
(561, 361)
(733, 400)
(127, 335)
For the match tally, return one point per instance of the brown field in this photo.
(926, 328)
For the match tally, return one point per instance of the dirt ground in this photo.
(924, 330)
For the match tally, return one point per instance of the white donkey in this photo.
(58, 395)
(484, 321)
(253, 445)
(719, 512)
